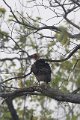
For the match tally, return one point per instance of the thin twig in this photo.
(17, 77)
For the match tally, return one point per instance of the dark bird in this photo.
(41, 70)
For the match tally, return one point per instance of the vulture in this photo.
(41, 70)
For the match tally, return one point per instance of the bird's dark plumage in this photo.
(41, 70)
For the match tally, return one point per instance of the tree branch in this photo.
(69, 56)
(44, 91)
(49, 60)
(17, 77)
(11, 109)
(72, 23)
(76, 2)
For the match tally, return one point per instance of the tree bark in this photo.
(42, 90)
(11, 109)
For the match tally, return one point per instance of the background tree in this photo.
(50, 28)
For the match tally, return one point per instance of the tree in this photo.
(51, 29)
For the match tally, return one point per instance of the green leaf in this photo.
(2, 10)
(62, 36)
(74, 117)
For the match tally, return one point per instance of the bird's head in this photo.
(35, 56)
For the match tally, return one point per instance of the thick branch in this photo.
(11, 109)
(45, 91)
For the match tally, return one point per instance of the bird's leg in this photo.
(39, 83)
(45, 85)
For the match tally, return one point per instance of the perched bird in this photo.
(41, 70)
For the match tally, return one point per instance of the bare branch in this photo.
(69, 56)
(76, 2)
(69, 21)
(11, 109)
(15, 58)
(15, 78)
(45, 91)
(49, 60)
